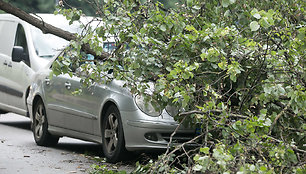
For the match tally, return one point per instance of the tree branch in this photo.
(277, 117)
(292, 146)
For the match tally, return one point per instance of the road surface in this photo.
(20, 154)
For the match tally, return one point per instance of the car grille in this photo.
(178, 137)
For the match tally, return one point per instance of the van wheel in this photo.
(40, 126)
(113, 143)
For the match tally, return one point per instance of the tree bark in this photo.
(46, 28)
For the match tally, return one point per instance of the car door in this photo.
(69, 110)
(18, 74)
(56, 108)
(83, 105)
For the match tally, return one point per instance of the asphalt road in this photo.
(20, 154)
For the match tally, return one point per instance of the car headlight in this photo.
(147, 107)
(172, 110)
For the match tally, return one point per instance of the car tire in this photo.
(40, 126)
(113, 143)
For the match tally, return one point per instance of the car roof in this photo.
(8, 17)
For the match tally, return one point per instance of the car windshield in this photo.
(47, 45)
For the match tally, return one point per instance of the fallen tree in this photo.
(237, 68)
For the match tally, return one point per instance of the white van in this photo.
(24, 49)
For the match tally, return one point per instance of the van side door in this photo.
(7, 38)
(19, 74)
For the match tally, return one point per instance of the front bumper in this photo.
(142, 133)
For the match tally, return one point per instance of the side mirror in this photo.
(17, 54)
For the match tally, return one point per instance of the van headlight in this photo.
(146, 107)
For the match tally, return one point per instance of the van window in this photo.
(20, 40)
(7, 37)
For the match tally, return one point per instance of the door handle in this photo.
(47, 80)
(10, 65)
(5, 63)
(68, 85)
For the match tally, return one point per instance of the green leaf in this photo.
(254, 11)
(203, 56)
(190, 28)
(163, 28)
(227, 13)
(257, 16)
(196, 157)
(267, 122)
(252, 167)
(264, 22)
(233, 77)
(301, 34)
(189, 3)
(222, 65)
(225, 3)
(254, 26)
(197, 167)
(205, 150)
(291, 156)
(263, 168)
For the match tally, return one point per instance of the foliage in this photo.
(34, 6)
(235, 66)
(102, 169)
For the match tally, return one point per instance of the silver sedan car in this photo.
(104, 113)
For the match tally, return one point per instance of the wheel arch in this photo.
(35, 100)
(26, 96)
(104, 109)
(120, 152)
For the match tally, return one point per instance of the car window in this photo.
(86, 60)
(78, 68)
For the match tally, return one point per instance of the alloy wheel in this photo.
(111, 133)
